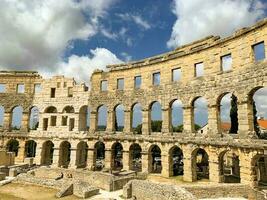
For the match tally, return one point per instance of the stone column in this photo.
(125, 161)
(41, 121)
(165, 163)
(56, 156)
(213, 120)
(7, 121)
(214, 169)
(91, 159)
(25, 122)
(21, 152)
(108, 159)
(243, 121)
(188, 120)
(127, 121)
(73, 155)
(189, 175)
(110, 121)
(145, 161)
(38, 154)
(246, 169)
(146, 121)
(93, 122)
(166, 121)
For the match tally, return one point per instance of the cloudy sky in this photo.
(74, 37)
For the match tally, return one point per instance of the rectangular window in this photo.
(176, 74)
(64, 120)
(104, 85)
(156, 78)
(2, 88)
(58, 84)
(37, 88)
(53, 121)
(226, 62)
(70, 91)
(137, 82)
(65, 84)
(20, 88)
(53, 93)
(120, 84)
(199, 69)
(259, 51)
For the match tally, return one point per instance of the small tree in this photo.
(255, 120)
(233, 115)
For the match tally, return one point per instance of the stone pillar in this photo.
(93, 122)
(21, 152)
(25, 122)
(7, 121)
(91, 159)
(165, 163)
(56, 156)
(213, 120)
(189, 175)
(214, 168)
(243, 121)
(166, 121)
(145, 161)
(246, 169)
(146, 122)
(125, 161)
(41, 121)
(188, 118)
(73, 155)
(110, 121)
(108, 159)
(38, 154)
(127, 121)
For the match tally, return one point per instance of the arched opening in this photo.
(176, 161)
(84, 118)
(229, 167)
(155, 160)
(176, 116)
(258, 112)
(119, 118)
(34, 118)
(99, 156)
(102, 113)
(200, 164)
(64, 154)
(117, 153)
(17, 113)
(261, 171)
(47, 153)
(200, 115)
(136, 118)
(13, 146)
(2, 113)
(155, 117)
(67, 119)
(50, 109)
(135, 157)
(30, 149)
(81, 154)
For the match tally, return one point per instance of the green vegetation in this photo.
(233, 115)
(156, 126)
(138, 129)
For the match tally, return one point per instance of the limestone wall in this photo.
(7, 159)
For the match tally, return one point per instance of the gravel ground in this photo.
(104, 195)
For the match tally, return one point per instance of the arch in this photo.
(155, 117)
(99, 157)
(68, 109)
(119, 118)
(200, 164)
(84, 118)
(135, 157)
(229, 167)
(102, 113)
(34, 118)
(47, 153)
(200, 115)
(16, 121)
(117, 154)
(154, 159)
(259, 165)
(30, 148)
(136, 118)
(176, 161)
(50, 109)
(81, 154)
(176, 115)
(64, 154)
(2, 114)
(13, 146)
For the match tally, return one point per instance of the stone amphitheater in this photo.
(68, 134)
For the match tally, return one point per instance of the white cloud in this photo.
(35, 34)
(199, 18)
(126, 56)
(136, 18)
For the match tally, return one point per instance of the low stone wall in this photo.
(147, 190)
(220, 190)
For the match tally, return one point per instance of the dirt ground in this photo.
(14, 191)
